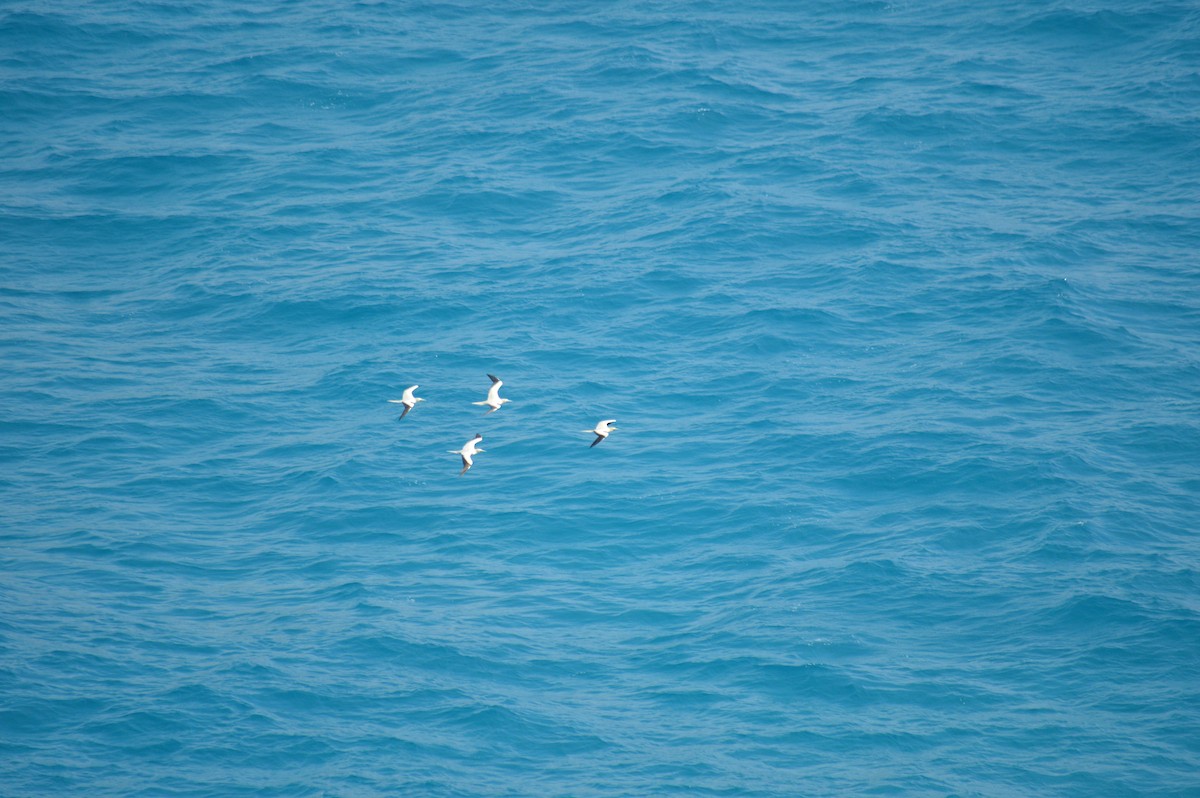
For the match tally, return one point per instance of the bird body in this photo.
(408, 400)
(493, 398)
(468, 452)
(602, 430)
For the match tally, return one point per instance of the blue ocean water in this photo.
(897, 306)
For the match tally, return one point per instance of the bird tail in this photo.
(479, 403)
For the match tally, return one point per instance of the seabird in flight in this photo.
(601, 431)
(409, 401)
(468, 452)
(493, 401)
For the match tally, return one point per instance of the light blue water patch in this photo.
(897, 308)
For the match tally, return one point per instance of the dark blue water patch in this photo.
(1081, 31)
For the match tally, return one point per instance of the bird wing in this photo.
(405, 413)
(467, 461)
(494, 392)
(493, 378)
(598, 439)
(408, 393)
(605, 424)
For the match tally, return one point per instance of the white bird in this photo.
(493, 401)
(409, 401)
(468, 452)
(601, 431)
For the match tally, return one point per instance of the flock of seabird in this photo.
(494, 403)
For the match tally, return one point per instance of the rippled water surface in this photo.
(897, 307)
